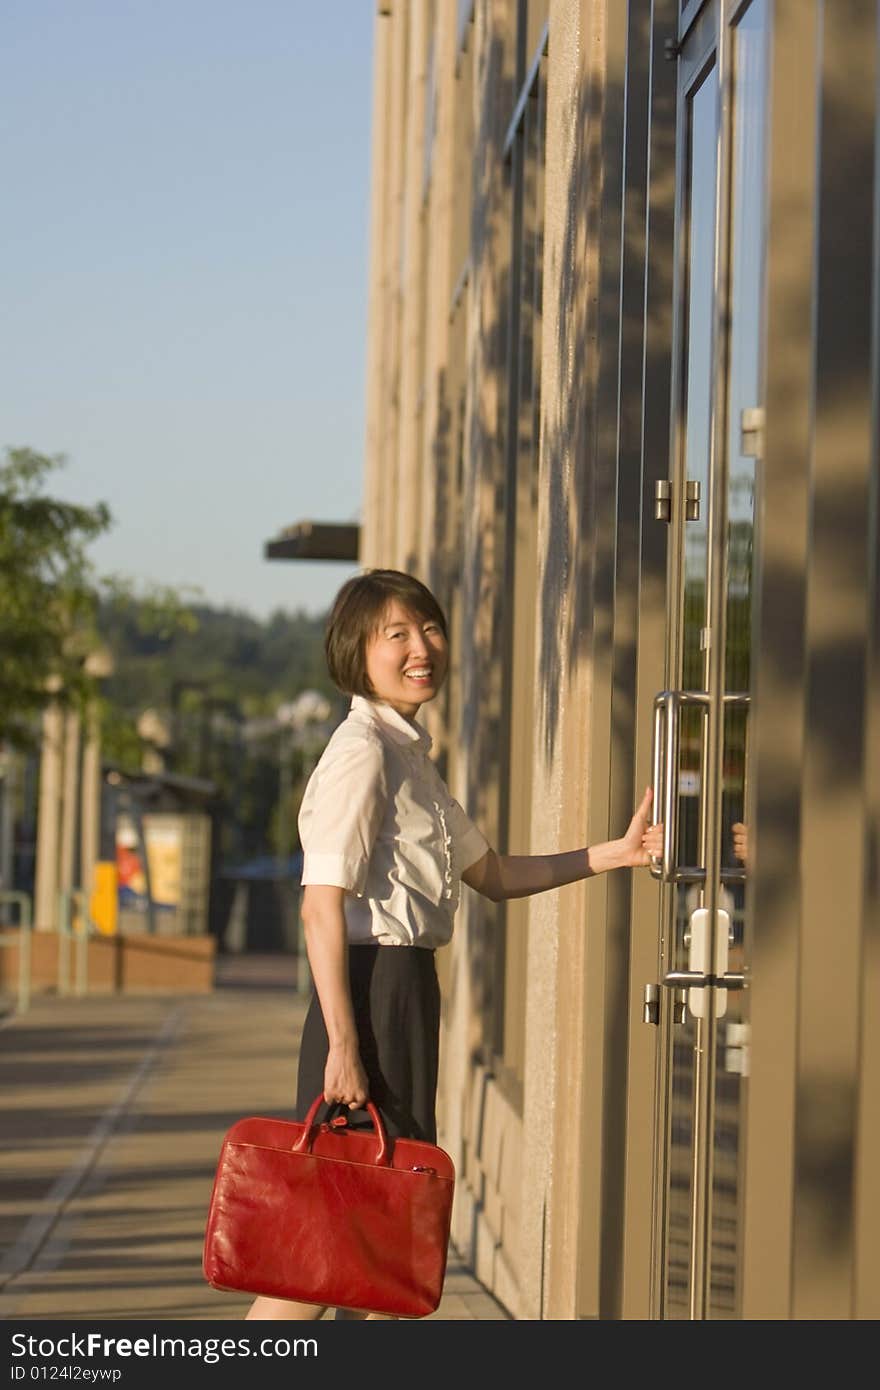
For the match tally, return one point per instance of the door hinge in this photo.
(751, 432)
(736, 1050)
(662, 500)
(651, 1006)
(692, 500)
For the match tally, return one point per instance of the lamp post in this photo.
(70, 782)
(99, 665)
(154, 729)
(59, 806)
(49, 811)
(8, 784)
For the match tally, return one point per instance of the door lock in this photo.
(699, 977)
(698, 957)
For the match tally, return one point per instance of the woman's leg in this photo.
(280, 1309)
(349, 1315)
(412, 1087)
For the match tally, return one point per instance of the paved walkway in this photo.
(113, 1112)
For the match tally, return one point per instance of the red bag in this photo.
(329, 1214)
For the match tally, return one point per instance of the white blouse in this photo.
(377, 819)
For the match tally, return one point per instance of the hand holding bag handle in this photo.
(310, 1129)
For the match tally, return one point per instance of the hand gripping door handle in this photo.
(310, 1129)
(665, 758)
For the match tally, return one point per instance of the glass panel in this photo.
(697, 406)
(745, 394)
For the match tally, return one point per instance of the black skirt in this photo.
(396, 998)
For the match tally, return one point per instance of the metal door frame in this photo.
(704, 41)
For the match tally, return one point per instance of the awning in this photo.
(316, 540)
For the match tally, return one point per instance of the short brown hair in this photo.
(355, 616)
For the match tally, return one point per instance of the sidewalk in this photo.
(114, 1109)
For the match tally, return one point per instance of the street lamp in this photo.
(154, 729)
(60, 779)
(99, 664)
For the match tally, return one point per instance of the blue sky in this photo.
(184, 276)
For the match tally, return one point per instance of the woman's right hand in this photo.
(345, 1080)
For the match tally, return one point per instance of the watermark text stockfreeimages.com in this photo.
(31, 1354)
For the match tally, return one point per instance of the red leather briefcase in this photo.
(323, 1213)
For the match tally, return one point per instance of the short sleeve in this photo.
(341, 813)
(470, 842)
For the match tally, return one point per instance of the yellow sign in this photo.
(104, 902)
(165, 853)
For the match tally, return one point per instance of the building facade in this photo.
(621, 417)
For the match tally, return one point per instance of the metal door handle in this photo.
(664, 760)
(695, 979)
(665, 753)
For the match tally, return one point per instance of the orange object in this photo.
(104, 901)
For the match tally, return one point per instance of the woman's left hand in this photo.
(642, 841)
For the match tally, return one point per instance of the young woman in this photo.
(385, 848)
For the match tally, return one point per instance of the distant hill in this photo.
(231, 653)
(214, 691)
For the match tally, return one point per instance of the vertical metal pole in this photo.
(63, 920)
(82, 944)
(25, 920)
(8, 784)
(90, 802)
(48, 819)
(69, 802)
(707, 1029)
(24, 953)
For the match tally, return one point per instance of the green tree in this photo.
(47, 592)
(53, 608)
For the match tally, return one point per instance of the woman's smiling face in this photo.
(406, 659)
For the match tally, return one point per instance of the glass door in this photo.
(701, 718)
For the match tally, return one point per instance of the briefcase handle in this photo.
(310, 1129)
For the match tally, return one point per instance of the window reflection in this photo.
(697, 411)
(744, 416)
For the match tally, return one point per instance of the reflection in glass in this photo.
(736, 473)
(697, 408)
(745, 394)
